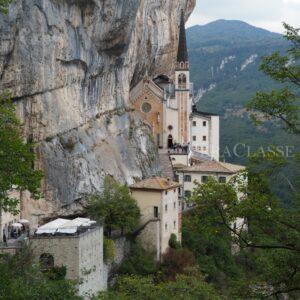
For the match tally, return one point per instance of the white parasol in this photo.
(17, 225)
(23, 221)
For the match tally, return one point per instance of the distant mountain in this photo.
(225, 57)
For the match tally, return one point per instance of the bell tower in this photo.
(182, 86)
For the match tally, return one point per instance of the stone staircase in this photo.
(167, 170)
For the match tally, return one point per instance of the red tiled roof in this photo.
(156, 183)
(212, 167)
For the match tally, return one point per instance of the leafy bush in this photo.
(176, 261)
(57, 273)
(139, 262)
(109, 250)
(140, 288)
(173, 242)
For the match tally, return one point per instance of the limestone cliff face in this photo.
(69, 65)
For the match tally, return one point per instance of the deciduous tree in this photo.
(115, 206)
(16, 159)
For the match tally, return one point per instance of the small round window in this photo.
(146, 107)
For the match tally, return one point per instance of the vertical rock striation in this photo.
(69, 65)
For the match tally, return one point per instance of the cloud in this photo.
(296, 2)
(268, 14)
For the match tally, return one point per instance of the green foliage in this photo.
(176, 261)
(115, 206)
(205, 235)
(173, 242)
(139, 262)
(20, 279)
(57, 273)
(187, 287)
(268, 240)
(4, 6)
(16, 158)
(281, 105)
(109, 250)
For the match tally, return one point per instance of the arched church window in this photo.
(146, 107)
(182, 81)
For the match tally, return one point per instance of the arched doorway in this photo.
(46, 262)
(170, 141)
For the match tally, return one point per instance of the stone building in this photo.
(76, 244)
(160, 208)
(166, 105)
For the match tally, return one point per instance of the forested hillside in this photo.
(224, 59)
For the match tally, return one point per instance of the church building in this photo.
(166, 105)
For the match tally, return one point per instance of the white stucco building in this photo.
(200, 172)
(205, 133)
(158, 200)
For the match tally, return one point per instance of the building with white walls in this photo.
(160, 206)
(188, 176)
(205, 133)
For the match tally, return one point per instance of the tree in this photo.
(4, 6)
(205, 234)
(282, 105)
(115, 206)
(21, 279)
(16, 160)
(269, 249)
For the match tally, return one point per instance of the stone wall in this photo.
(81, 254)
(65, 251)
(122, 250)
(150, 238)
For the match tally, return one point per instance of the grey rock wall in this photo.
(69, 65)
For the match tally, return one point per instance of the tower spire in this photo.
(182, 55)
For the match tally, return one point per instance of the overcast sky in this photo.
(268, 14)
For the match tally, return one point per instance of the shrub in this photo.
(176, 261)
(139, 262)
(57, 273)
(109, 250)
(173, 242)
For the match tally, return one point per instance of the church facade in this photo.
(166, 105)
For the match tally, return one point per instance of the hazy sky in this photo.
(268, 14)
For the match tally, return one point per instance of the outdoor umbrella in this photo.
(17, 225)
(23, 221)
